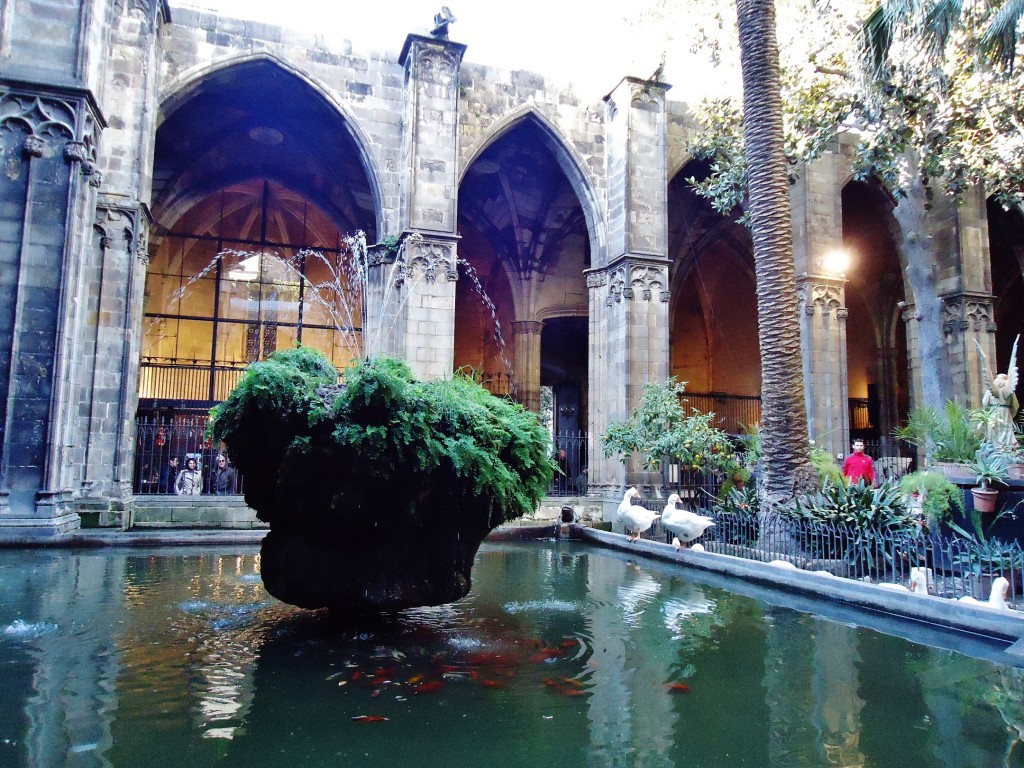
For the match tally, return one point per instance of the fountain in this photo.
(377, 491)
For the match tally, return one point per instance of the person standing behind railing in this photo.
(190, 480)
(222, 482)
(168, 476)
(859, 465)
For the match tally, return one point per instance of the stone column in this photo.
(429, 305)
(628, 349)
(527, 362)
(629, 295)
(47, 142)
(816, 201)
(823, 338)
(968, 320)
(429, 195)
(968, 317)
(114, 302)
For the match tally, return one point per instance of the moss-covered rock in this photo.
(379, 491)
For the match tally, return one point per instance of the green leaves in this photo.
(383, 448)
(662, 427)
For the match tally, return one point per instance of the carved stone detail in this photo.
(527, 327)
(965, 312)
(437, 67)
(824, 298)
(630, 280)
(34, 146)
(76, 152)
(429, 256)
(51, 121)
(597, 279)
(123, 224)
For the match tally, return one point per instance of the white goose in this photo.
(997, 598)
(918, 583)
(686, 525)
(634, 517)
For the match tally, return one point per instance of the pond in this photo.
(562, 655)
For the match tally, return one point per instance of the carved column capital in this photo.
(824, 297)
(632, 278)
(431, 256)
(527, 327)
(968, 311)
(34, 146)
(76, 152)
(596, 278)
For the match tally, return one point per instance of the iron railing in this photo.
(734, 413)
(569, 451)
(175, 380)
(893, 458)
(158, 440)
(953, 567)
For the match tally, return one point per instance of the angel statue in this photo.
(1001, 400)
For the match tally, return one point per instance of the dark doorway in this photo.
(563, 356)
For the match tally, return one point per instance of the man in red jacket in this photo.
(858, 464)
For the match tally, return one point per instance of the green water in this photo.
(562, 655)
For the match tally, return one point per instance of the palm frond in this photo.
(1000, 39)
(875, 42)
(939, 21)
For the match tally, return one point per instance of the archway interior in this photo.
(257, 183)
(1006, 246)
(876, 342)
(713, 341)
(525, 236)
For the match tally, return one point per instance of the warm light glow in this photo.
(247, 269)
(836, 262)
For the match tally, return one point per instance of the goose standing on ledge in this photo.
(686, 525)
(634, 517)
(996, 599)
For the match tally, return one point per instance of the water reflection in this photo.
(561, 655)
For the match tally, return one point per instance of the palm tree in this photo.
(785, 452)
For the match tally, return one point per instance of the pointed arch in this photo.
(568, 160)
(181, 90)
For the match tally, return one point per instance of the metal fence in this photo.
(734, 413)
(159, 441)
(954, 567)
(569, 451)
(893, 458)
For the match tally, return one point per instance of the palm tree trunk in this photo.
(786, 465)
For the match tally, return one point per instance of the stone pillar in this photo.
(968, 313)
(429, 305)
(527, 362)
(428, 205)
(111, 357)
(629, 295)
(628, 349)
(816, 201)
(47, 193)
(968, 320)
(823, 339)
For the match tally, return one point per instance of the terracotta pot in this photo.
(1016, 471)
(984, 499)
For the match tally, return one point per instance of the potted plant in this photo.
(950, 438)
(661, 429)
(933, 494)
(990, 466)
